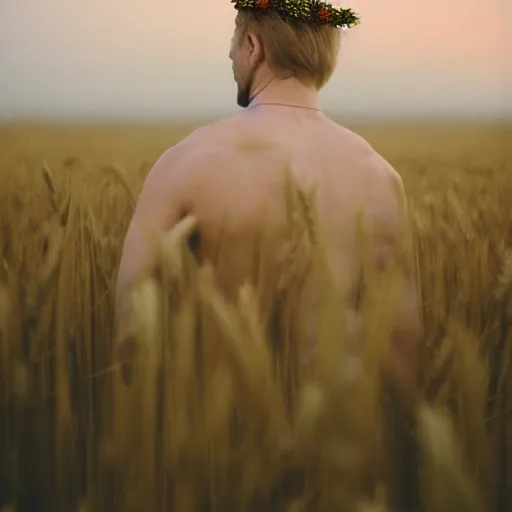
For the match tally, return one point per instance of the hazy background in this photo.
(168, 60)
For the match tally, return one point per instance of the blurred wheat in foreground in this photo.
(164, 426)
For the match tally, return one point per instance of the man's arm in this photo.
(402, 366)
(390, 218)
(161, 204)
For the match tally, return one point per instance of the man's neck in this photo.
(287, 92)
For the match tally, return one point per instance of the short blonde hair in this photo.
(293, 49)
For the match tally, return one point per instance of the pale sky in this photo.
(168, 59)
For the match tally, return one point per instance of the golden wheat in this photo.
(220, 421)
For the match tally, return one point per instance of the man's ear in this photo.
(256, 50)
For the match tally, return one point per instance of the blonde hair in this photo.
(293, 49)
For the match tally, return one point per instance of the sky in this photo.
(168, 59)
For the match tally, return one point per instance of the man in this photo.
(231, 175)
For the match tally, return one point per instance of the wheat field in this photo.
(166, 430)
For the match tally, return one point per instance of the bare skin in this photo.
(231, 177)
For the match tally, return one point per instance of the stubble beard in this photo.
(244, 93)
(243, 97)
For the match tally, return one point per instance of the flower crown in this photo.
(306, 11)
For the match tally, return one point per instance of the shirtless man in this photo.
(223, 174)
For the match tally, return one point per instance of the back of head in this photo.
(292, 48)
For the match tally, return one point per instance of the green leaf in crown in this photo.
(306, 11)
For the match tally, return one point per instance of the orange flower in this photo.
(324, 15)
(262, 4)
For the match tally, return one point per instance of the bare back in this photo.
(236, 192)
(246, 195)
(241, 206)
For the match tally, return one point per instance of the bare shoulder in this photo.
(200, 145)
(220, 146)
(213, 133)
(208, 152)
(346, 134)
(368, 154)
